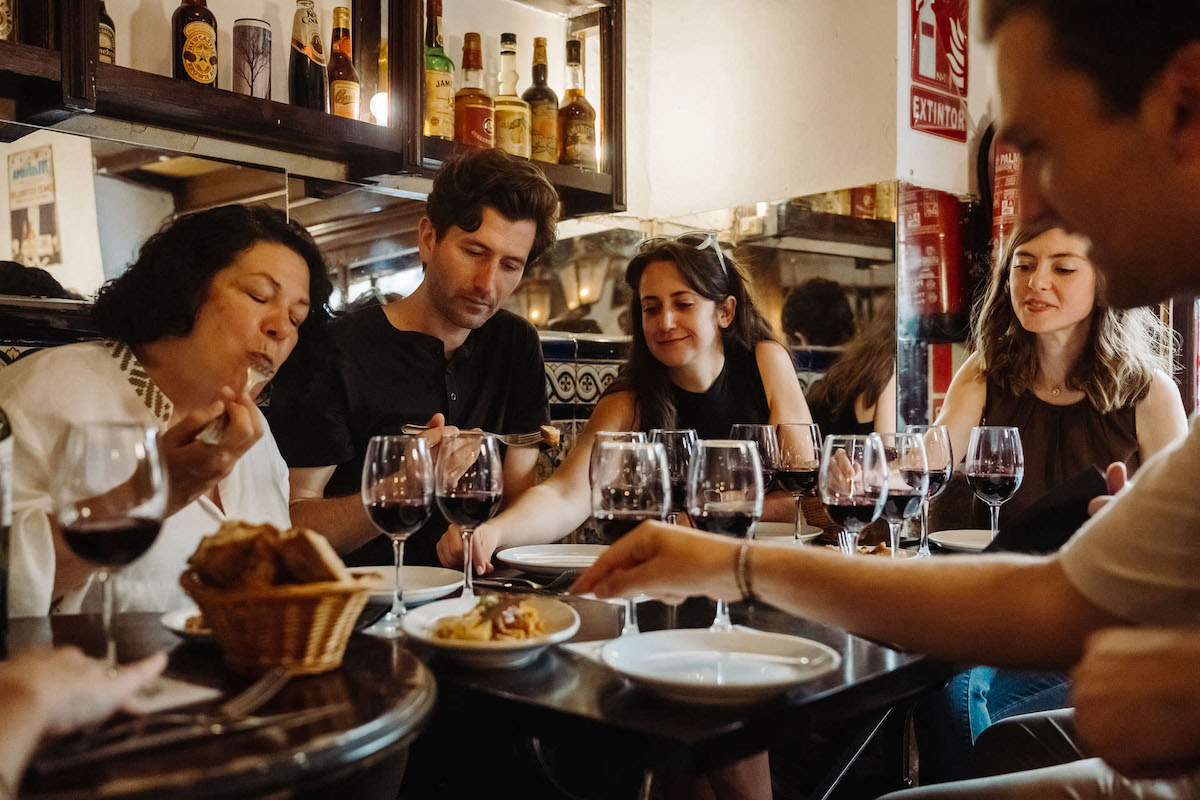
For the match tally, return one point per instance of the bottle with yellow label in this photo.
(308, 84)
(474, 110)
(195, 56)
(108, 36)
(439, 77)
(512, 113)
(543, 109)
(344, 86)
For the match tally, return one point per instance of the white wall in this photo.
(137, 212)
(81, 268)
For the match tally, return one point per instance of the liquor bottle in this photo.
(344, 86)
(307, 82)
(6, 476)
(543, 109)
(474, 110)
(108, 36)
(6, 20)
(576, 118)
(439, 77)
(512, 113)
(195, 38)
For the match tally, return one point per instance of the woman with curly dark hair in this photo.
(213, 305)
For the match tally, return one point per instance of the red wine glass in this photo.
(469, 485)
(853, 484)
(995, 466)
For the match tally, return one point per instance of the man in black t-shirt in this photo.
(446, 354)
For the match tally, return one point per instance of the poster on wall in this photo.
(938, 68)
(33, 208)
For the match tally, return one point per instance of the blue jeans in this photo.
(949, 722)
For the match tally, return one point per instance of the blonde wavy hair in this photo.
(1124, 348)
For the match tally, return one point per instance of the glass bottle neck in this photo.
(508, 73)
(341, 41)
(472, 79)
(433, 33)
(539, 74)
(575, 77)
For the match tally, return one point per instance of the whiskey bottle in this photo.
(576, 118)
(195, 38)
(439, 77)
(307, 82)
(474, 110)
(108, 36)
(512, 113)
(543, 109)
(344, 86)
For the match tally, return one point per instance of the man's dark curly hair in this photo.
(512, 186)
(818, 310)
(1121, 46)
(160, 293)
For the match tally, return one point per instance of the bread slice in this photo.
(309, 557)
(222, 558)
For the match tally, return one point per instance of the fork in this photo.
(510, 439)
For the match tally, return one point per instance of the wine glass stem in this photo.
(894, 537)
(995, 520)
(631, 623)
(799, 517)
(468, 566)
(398, 609)
(721, 621)
(923, 550)
(848, 541)
(107, 605)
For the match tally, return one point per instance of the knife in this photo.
(179, 735)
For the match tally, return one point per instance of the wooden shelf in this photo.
(31, 62)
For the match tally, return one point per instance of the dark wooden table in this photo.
(361, 750)
(567, 697)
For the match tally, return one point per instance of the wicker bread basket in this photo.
(301, 627)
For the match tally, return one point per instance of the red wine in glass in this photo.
(469, 509)
(111, 542)
(399, 517)
(798, 481)
(678, 494)
(939, 479)
(613, 526)
(853, 516)
(729, 523)
(993, 489)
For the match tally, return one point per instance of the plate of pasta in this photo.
(492, 630)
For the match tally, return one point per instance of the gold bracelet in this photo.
(745, 582)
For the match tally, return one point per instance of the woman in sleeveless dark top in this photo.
(702, 356)
(1086, 385)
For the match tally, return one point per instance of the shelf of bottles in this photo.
(315, 77)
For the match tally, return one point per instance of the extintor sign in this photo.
(939, 68)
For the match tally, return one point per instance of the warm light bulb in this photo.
(583, 292)
(379, 108)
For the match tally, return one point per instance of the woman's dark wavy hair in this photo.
(512, 186)
(642, 373)
(862, 370)
(161, 292)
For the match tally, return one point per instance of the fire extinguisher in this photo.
(931, 263)
(1006, 191)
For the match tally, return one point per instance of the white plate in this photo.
(551, 560)
(785, 531)
(420, 584)
(971, 540)
(719, 667)
(560, 619)
(176, 622)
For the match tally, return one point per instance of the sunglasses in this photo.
(700, 240)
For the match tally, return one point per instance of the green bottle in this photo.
(439, 78)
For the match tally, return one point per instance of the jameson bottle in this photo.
(108, 36)
(344, 87)
(512, 113)
(195, 29)
(307, 83)
(439, 77)
(6, 474)
(576, 118)
(543, 109)
(473, 107)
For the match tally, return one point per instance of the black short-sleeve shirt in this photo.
(382, 378)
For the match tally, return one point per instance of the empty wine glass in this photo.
(995, 466)
(397, 492)
(629, 484)
(907, 481)
(469, 483)
(798, 460)
(940, 458)
(725, 495)
(853, 484)
(109, 494)
(679, 446)
(764, 438)
(611, 436)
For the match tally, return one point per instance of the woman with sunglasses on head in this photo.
(702, 357)
(1087, 386)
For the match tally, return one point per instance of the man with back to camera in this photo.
(1102, 98)
(447, 353)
